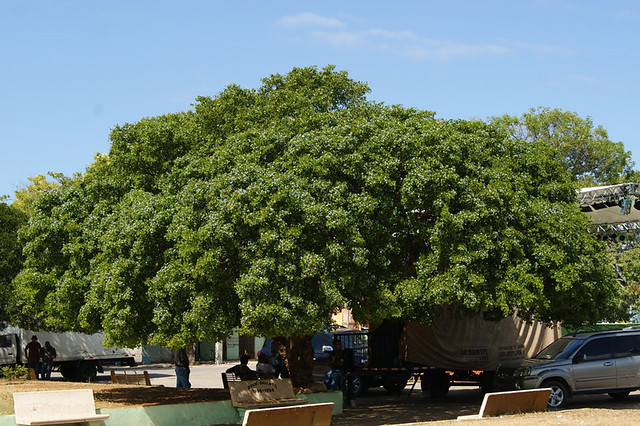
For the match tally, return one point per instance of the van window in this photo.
(5, 342)
(627, 345)
(597, 349)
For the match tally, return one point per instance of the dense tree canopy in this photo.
(269, 208)
(585, 149)
(11, 219)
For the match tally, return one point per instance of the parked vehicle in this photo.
(79, 356)
(321, 344)
(452, 351)
(580, 363)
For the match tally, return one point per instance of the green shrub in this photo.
(14, 372)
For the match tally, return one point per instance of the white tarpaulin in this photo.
(473, 343)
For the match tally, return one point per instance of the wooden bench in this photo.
(229, 377)
(131, 378)
(311, 414)
(55, 407)
(233, 377)
(263, 393)
(512, 402)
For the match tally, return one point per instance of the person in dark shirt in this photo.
(242, 370)
(48, 353)
(181, 361)
(32, 352)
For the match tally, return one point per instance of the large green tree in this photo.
(592, 158)
(269, 208)
(11, 219)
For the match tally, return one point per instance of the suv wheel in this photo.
(558, 395)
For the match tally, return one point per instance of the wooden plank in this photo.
(302, 415)
(512, 402)
(63, 406)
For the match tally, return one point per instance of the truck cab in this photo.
(9, 350)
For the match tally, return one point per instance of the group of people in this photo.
(40, 358)
(273, 367)
(266, 368)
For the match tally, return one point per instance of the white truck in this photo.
(79, 356)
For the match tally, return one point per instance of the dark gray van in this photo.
(596, 362)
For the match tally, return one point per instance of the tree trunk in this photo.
(300, 360)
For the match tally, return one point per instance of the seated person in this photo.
(242, 370)
(265, 369)
(336, 364)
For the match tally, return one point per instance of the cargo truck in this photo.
(79, 356)
(452, 351)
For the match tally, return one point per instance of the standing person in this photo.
(48, 353)
(32, 352)
(336, 363)
(181, 361)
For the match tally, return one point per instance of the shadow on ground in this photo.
(378, 407)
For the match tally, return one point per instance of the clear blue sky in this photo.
(72, 70)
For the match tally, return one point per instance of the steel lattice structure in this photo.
(604, 194)
(604, 204)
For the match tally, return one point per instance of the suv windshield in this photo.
(560, 349)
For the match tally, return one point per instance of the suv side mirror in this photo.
(579, 358)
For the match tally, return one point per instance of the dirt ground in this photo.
(114, 396)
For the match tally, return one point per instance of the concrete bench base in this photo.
(55, 407)
(513, 402)
(311, 414)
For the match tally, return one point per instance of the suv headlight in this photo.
(523, 371)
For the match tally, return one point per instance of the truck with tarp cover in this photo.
(451, 351)
(79, 356)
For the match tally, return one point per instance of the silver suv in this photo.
(600, 362)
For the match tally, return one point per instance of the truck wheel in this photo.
(86, 371)
(358, 387)
(394, 383)
(559, 393)
(68, 371)
(436, 383)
